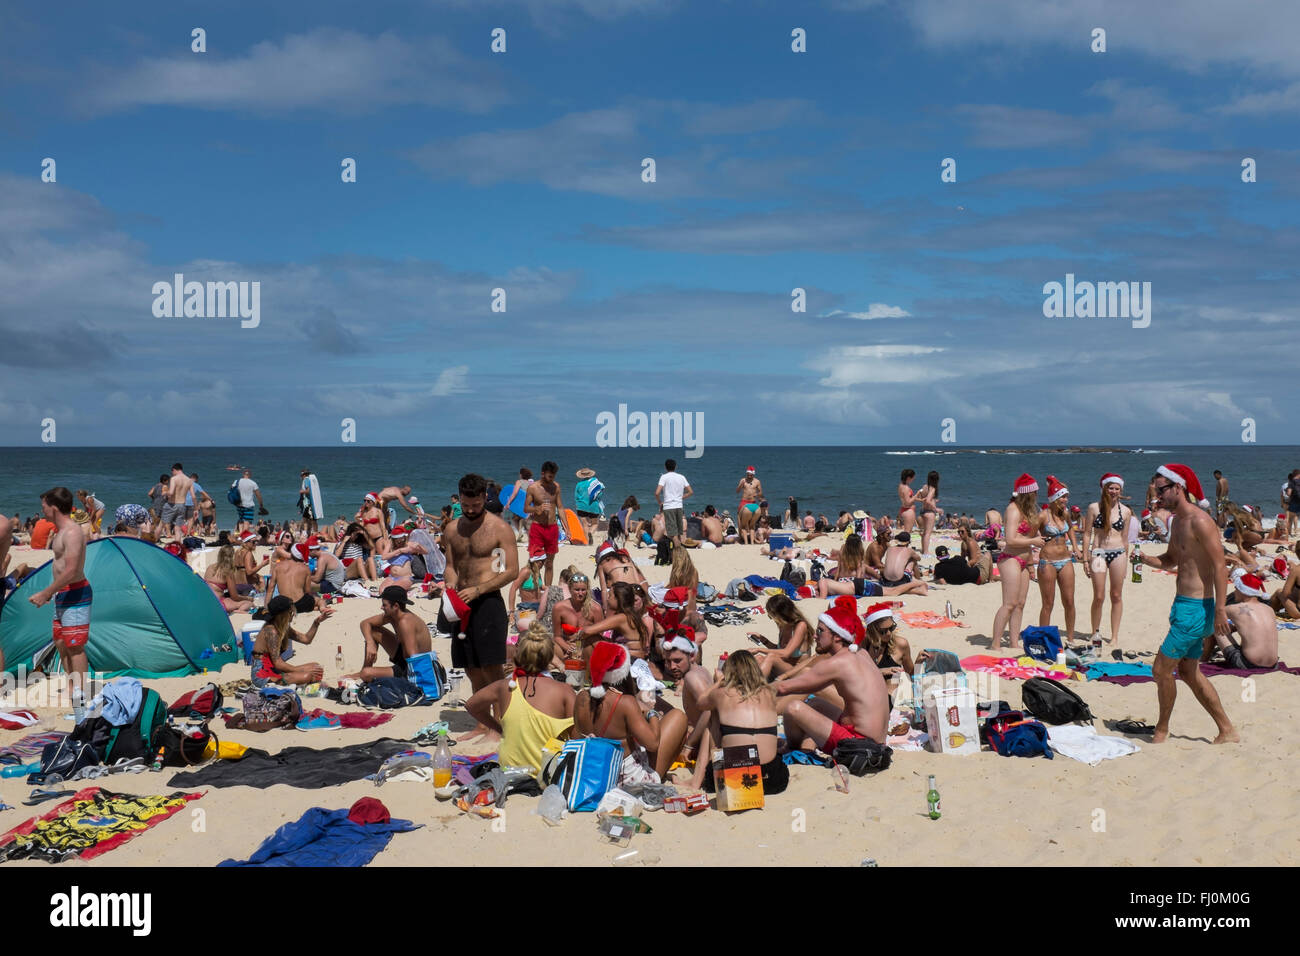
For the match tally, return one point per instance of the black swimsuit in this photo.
(1110, 554)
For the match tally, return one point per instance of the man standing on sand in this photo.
(482, 558)
(69, 588)
(1196, 551)
(1220, 498)
(386, 498)
(672, 490)
(1291, 500)
(173, 516)
(543, 502)
(311, 505)
(250, 499)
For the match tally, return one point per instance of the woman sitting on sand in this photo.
(794, 648)
(529, 708)
(743, 710)
(246, 562)
(353, 549)
(273, 639)
(221, 577)
(889, 650)
(621, 623)
(1013, 560)
(1248, 530)
(651, 741)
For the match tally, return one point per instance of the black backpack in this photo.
(388, 693)
(136, 739)
(664, 552)
(1053, 703)
(793, 575)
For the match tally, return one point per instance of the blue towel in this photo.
(323, 837)
(1117, 669)
(760, 582)
(120, 701)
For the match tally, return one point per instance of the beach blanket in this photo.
(323, 837)
(88, 824)
(17, 719)
(323, 719)
(1286, 626)
(303, 767)
(721, 614)
(1099, 669)
(759, 584)
(30, 746)
(927, 619)
(1085, 745)
(1209, 670)
(1010, 668)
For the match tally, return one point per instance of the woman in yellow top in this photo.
(528, 709)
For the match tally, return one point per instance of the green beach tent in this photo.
(151, 616)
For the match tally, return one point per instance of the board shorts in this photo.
(838, 733)
(543, 539)
(1293, 505)
(1191, 621)
(905, 579)
(72, 615)
(587, 514)
(484, 642)
(172, 514)
(674, 522)
(247, 514)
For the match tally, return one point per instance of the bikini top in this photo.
(1051, 532)
(1119, 525)
(726, 729)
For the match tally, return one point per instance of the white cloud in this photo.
(326, 69)
(877, 365)
(876, 310)
(1284, 100)
(452, 381)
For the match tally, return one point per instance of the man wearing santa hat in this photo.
(1199, 611)
(814, 721)
(1253, 620)
(482, 558)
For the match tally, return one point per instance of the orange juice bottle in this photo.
(442, 762)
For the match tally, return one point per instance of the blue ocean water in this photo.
(822, 479)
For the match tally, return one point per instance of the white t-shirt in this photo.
(246, 488)
(673, 485)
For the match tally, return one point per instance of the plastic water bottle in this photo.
(78, 705)
(932, 798)
(551, 807)
(442, 762)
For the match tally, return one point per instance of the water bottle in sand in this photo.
(442, 762)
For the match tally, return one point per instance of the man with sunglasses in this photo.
(1196, 551)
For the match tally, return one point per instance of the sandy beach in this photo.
(1182, 803)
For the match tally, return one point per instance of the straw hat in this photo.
(79, 516)
(585, 473)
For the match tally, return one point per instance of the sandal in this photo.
(1134, 727)
(40, 796)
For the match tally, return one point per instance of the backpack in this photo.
(861, 756)
(705, 592)
(1011, 735)
(1042, 643)
(62, 759)
(202, 704)
(265, 709)
(427, 673)
(585, 770)
(136, 739)
(233, 495)
(793, 575)
(664, 552)
(388, 693)
(1048, 700)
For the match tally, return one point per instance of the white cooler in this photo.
(950, 720)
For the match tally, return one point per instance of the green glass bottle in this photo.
(933, 799)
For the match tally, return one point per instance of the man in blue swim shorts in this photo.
(1196, 551)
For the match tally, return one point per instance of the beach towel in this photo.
(303, 767)
(1099, 669)
(33, 745)
(323, 719)
(88, 824)
(1085, 745)
(927, 619)
(17, 719)
(1285, 626)
(759, 583)
(1209, 670)
(1009, 668)
(323, 837)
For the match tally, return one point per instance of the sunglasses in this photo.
(1161, 489)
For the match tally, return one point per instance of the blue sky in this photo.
(775, 170)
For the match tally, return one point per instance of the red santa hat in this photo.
(1110, 478)
(1280, 566)
(371, 496)
(682, 638)
(398, 532)
(1055, 489)
(1025, 484)
(749, 470)
(610, 664)
(247, 536)
(1250, 584)
(455, 611)
(313, 543)
(878, 612)
(677, 597)
(842, 619)
(1185, 478)
(604, 550)
(301, 551)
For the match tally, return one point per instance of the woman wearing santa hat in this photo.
(1105, 538)
(1013, 560)
(1056, 560)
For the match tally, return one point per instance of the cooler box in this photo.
(950, 721)
(775, 542)
(738, 778)
(247, 636)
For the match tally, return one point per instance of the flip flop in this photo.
(40, 796)
(1117, 654)
(1134, 728)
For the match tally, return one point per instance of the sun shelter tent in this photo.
(151, 616)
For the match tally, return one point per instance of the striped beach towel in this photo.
(30, 746)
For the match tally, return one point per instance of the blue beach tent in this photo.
(151, 616)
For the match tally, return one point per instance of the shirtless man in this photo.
(69, 588)
(1254, 622)
(572, 615)
(750, 490)
(1197, 554)
(694, 681)
(482, 558)
(206, 507)
(901, 562)
(543, 502)
(1220, 498)
(399, 632)
(294, 579)
(173, 512)
(386, 498)
(854, 677)
(711, 525)
(875, 551)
